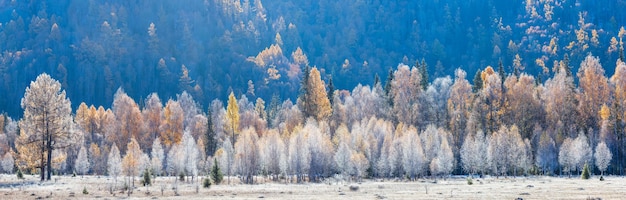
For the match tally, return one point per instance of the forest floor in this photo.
(540, 187)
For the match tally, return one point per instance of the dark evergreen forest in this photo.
(259, 48)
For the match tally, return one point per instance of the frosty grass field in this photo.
(540, 187)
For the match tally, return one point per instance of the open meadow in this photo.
(541, 187)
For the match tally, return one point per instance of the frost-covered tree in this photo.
(274, 154)
(175, 160)
(8, 163)
(46, 122)
(226, 155)
(158, 155)
(413, 159)
(342, 158)
(603, 157)
(566, 157)
(473, 156)
(547, 153)
(114, 163)
(190, 155)
(82, 162)
(132, 161)
(444, 160)
(506, 150)
(299, 155)
(582, 151)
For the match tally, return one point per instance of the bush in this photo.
(146, 178)
(586, 173)
(20, 175)
(601, 178)
(469, 181)
(206, 183)
(216, 172)
(85, 190)
(181, 176)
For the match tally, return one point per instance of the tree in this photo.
(153, 116)
(129, 121)
(190, 155)
(82, 162)
(444, 160)
(459, 108)
(114, 164)
(603, 157)
(246, 155)
(216, 172)
(274, 157)
(172, 126)
(406, 90)
(158, 156)
(232, 115)
(506, 150)
(46, 122)
(210, 137)
(8, 163)
(299, 155)
(566, 158)
(342, 158)
(132, 161)
(413, 159)
(473, 157)
(315, 102)
(546, 155)
(594, 91)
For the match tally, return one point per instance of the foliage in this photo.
(146, 178)
(216, 172)
(85, 191)
(20, 175)
(586, 172)
(206, 183)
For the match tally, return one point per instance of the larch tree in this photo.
(594, 91)
(444, 160)
(114, 163)
(320, 150)
(172, 126)
(82, 161)
(319, 103)
(492, 99)
(523, 106)
(274, 154)
(129, 121)
(473, 156)
(232, 116)
(459, 108)
(506, 150)
(153, 116)
(158, 155)
(406, 89)
(46, 122)
(132, 161)
(226, 156)
(247, 154)
(559, 101)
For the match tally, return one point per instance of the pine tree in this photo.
(423, 68)
(304, 92)
(210, 139)
(331, 90)
(478, 82)
(586, 173)
(387, 88)
(501, 72)
(376, 79)
(216, 172)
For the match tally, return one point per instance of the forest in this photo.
(299, 92)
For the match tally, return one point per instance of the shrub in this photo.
(206, 183)
(20, 175)
(586, 173)
(146, 178)
(85, 190)
(469, 181)
(216, 172)
(181, 176)
(601, 178)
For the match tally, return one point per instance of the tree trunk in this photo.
(49, 162)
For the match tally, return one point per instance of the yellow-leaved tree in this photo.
(232, 115)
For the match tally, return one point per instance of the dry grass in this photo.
(454, 188)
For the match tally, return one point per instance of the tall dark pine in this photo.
(273, 108)
(501, 71)
(376, 80)
(210, 142)
(566, 65)
(387, 88)
(423, 67)
(331, 90)
(478, 82)
(304, 91)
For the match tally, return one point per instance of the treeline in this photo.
(210, 48)
(407, 126)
